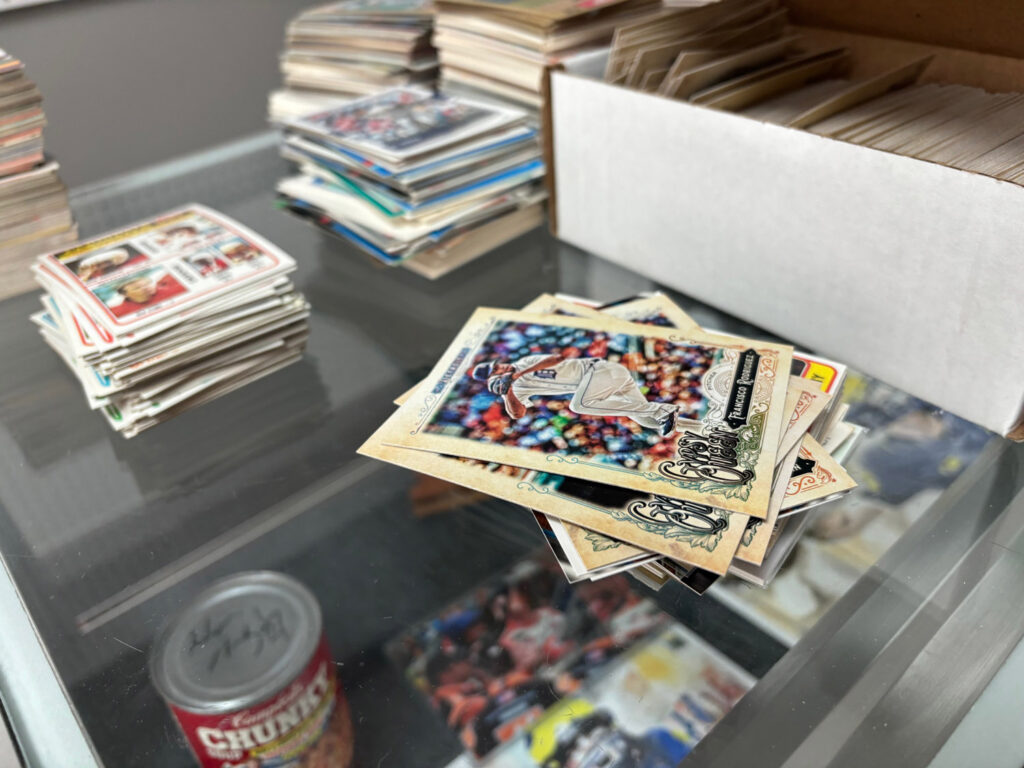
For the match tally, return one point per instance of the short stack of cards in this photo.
(503, 49)
(352, 48)
(641, 441)
(170, 313)
(34, 213)
(417, 178)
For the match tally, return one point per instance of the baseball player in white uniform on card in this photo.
(598, 388)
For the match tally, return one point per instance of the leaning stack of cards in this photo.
(170, 313)
(353, 48)
(34, 213)
(641, 442)
(417, 178)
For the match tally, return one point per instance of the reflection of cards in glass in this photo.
(650, 711)
(655, 411)
(495, 661)
(677, 683)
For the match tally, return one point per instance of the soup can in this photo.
(247, 672)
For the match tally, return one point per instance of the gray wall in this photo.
(127, 83)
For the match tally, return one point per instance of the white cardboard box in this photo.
(909, 271)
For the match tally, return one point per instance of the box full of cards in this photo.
(848, 176)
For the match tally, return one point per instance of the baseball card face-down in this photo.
(651, 409)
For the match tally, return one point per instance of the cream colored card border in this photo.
(416, 413)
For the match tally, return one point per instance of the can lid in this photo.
(237, 643)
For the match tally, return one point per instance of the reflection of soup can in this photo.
(247, 672)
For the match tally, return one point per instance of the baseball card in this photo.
(828, 374)
(757, 538)
(544, 523)
(152, 271)
(545, 304)
(555, 532)
(538, 11)
(814, 411)
(816, 475)
(805, 401)
(594, 554)
(657, 309)
(391, 11)
(549, 304)
(404, 123)
(644, 408)
(685, 531)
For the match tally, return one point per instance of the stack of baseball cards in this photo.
(503, 49)
(34, 213)
(352, 48)
(416, 178)
(21, 118)
(642, 442)
(170, 313)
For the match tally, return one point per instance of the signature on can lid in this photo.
(239, 642)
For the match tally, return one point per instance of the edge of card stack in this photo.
(414, 178)
(503, 50)
(34, 212)
(170, 313)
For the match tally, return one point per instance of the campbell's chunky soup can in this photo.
(248, 674)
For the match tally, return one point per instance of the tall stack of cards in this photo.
(353, 48)
(504, 48)
(170, 313)
(34, 213)
(641, 441)
(417, 178)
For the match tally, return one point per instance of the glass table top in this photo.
(106, 538)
